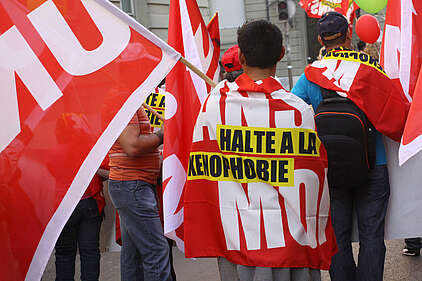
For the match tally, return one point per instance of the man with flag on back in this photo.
(343, 76)
(257, 193)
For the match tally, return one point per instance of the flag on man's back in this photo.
(185, 92)
(402, 60)
(72, 74)
(361, 79)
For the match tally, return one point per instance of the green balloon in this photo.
(371, 6)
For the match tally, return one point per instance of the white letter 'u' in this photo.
(65, 46)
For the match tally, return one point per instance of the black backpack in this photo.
(349, 139)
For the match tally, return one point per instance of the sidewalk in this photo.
(397, 266)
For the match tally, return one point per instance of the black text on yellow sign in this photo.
(356, 57)
(243, 169)
(268, 141)
(157, 102)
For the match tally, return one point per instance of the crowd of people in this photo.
(134, 164)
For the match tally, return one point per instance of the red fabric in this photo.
(413, 128)
(317, 8)
(187, 92)
(50, 101)
(213, 28)
(230, 59)
(95, 188)
(106, 163)
(401, 56)
(367, 86)
(211, 209)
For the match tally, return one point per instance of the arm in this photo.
(300, 89)
(135, 144)
(103, 173)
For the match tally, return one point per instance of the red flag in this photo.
(402, 59)
(72, 74)
(185, 92)
(213, 28)
(257, 204)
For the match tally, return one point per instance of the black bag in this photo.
(349, 139)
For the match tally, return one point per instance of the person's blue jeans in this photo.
(82, 231)
(370, 203)
(145, 251)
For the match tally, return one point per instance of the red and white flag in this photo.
(185, 92)
(72, 74)
(213, 28)
(402, 60)
(257, 191)
(317, 8)
(360, 78)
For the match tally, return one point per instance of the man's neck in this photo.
(256, 73)
(346, 46)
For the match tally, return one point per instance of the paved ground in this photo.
(397, 267)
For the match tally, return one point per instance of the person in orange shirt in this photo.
(134, 168)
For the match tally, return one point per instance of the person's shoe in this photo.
(410, 252)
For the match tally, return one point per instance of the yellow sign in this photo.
(157, 102)
(243, 169)
(232, 164)
(268, 141)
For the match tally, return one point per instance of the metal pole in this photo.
(289, 63)
(267, 5)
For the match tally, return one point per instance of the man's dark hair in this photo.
(335, 42)
(361, 45)
(261, 42)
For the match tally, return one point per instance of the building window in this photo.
(128, 7)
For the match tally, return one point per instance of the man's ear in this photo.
(348, 42)
(283, 52)
(242, 59)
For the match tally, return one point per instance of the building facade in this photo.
(302, 44)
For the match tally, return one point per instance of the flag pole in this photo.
(198, 72)
(150, 109)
